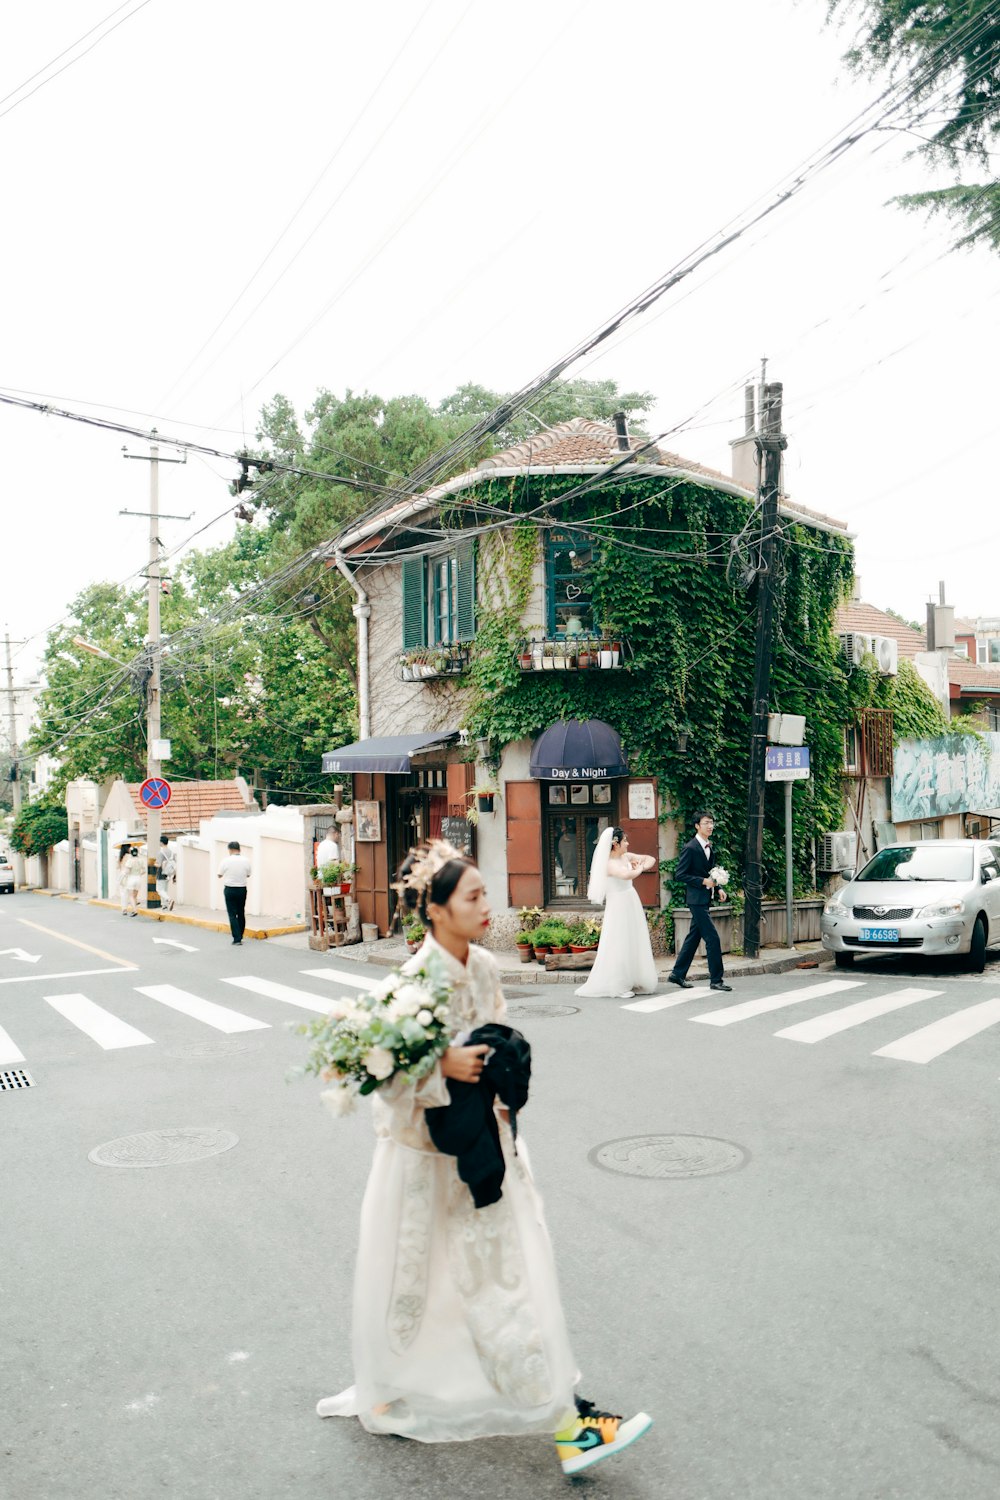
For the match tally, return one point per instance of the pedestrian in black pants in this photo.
(234, 872)
(693, 868)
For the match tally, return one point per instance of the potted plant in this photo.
(583, 656)
(605, 657)
(549, 655)
(578, 937)
(558, 935)
(525, 949)
(525, 658)
(559, 660)
(480, 801)
(529, 919)
(541, 938)
(413, 932)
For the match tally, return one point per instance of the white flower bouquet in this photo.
(402, 1026)
(719, 874)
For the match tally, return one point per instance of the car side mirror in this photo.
(986, 875)
(847, 875)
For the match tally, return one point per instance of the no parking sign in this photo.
(154, 792)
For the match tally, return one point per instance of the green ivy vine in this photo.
(660, 578)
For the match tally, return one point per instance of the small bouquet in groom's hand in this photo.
(720, 875)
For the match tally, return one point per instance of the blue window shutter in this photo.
(466, 602)
(414, 603)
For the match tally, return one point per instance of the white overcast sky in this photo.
(470, 188)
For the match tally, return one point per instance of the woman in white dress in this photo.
(624, 961)
(458, 1328)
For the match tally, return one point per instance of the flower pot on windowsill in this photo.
(605, 657)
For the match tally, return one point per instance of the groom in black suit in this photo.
(693, 867)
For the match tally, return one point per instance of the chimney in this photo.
(856, 590)
(746, 460)
(621, 428)
(940, 623)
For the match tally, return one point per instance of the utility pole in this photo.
(771, 443)
(153, 727)
(12, 731)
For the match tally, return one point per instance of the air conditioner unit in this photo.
(857, 645)
(838, 851)
(887, 655)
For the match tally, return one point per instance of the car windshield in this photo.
(919, 862)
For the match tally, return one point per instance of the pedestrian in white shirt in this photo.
(234, 872)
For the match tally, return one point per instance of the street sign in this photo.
(154, 792)
(787, 763)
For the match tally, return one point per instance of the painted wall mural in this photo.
(951, 774)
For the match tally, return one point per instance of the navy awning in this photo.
(578, 750)
(390, 755)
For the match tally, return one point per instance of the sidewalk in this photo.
(212, 921)
(393, 952)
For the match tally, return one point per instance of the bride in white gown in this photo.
(624, 961)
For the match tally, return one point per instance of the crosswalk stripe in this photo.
(8, 1050)
(666, 1002)
(921, 1046)
(341, 976)
(100, 1025)
(218, 1016)
(273, 991)
(819, 1027)
(775, 1002)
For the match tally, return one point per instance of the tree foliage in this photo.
(37, 827)
(949, 50)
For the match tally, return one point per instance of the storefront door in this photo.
(573, 818)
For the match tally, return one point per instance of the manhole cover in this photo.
(668, 1156)
(532, 1012)
(163, 1148)
(212, 1049)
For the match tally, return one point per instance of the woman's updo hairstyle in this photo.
(429, 876)
(617, 834)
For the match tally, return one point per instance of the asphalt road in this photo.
(815, 1320)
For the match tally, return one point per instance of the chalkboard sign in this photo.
(458, 831)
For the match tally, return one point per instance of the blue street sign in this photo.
(787, 763)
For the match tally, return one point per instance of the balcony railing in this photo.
(433, 662)
(574, 653)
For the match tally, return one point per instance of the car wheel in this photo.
(977, 948)
(843, 960)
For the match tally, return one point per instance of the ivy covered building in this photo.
(587, 576)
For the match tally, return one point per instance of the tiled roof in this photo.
(865, 619)
(190, 801)
(580, 444)
(970, 678)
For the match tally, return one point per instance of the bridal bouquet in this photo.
(719, 875)
(399, 1027)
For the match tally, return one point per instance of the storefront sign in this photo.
(458, 831)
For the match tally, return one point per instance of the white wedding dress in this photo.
(624, 962)
(458, 1329)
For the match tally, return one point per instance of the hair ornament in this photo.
(429, 860)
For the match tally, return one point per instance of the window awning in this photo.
(390, 755)
(578, 750)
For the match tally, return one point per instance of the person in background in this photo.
(135, 874)
(121, 872)
(166, 869)
(234, 872)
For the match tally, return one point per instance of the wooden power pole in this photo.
(771, 442)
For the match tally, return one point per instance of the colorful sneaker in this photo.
(596, 1434)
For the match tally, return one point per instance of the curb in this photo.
(259, 933)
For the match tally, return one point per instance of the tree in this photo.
(950, 52)
(37, 827)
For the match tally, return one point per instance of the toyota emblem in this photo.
(880, 911)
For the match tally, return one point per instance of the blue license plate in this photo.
(879, 934)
